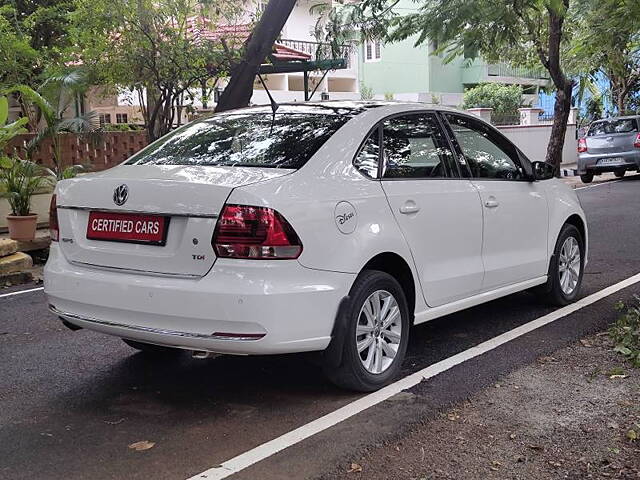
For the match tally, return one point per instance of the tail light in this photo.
(258, 233)
(582, 145)
(637, 141)
(54, 232)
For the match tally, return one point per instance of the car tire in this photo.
(586, 178)
(561, 290)
(152, 349)
(365, 324)
(619, 173)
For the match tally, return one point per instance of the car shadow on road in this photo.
(181, 383)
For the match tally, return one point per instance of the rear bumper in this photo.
(592, 162)
(239, 307)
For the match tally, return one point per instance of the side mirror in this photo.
(543, 170)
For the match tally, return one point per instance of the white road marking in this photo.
(598, 184)
(261, 452)
(19, 292)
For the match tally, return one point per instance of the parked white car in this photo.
(330, 227)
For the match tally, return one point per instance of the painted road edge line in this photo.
(21, 291)
(261, 452)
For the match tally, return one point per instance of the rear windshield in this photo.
(607, 127)
(287, 140)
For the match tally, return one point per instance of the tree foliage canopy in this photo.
(518, 32)
(33, 37)
(151, 47)
(608, 42)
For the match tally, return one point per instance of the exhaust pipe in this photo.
(202, 355)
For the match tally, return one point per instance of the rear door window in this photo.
(415, 147)
(609, 127)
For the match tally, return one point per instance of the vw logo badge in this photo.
(120, 195)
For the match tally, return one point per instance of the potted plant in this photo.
(19, 180)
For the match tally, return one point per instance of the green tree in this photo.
(150, 47)
(16, 55)
(35, 33)
(609, 43)
(503, 99)
(519, 32)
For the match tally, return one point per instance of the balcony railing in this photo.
(320, 51)
(503, 70)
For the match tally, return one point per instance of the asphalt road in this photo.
(72, 402)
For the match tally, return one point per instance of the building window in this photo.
(105, 118)
(121, 118)
(372, 50)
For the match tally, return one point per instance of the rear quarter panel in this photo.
(309, 197)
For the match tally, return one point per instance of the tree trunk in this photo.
(564, 86)
(238, 91)
(561, 110)
(205, 95)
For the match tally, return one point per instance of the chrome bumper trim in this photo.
(142, 212)
(135, 271)
(158, 331)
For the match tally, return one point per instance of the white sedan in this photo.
(330, 227)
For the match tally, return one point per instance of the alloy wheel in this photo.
(569, 265)
(378, 331)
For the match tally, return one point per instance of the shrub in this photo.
(366, 93)
(122, 127)
(504, 99)
(625, 332)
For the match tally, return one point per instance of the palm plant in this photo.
(20, 180)
(47, 107)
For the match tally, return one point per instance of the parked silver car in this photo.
(611, 145)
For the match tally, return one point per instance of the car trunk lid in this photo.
(187, 199)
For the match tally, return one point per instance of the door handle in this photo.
(409, 207)
(491, 203)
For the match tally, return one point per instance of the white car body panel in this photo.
(514, 245)
(192, 197)
(563, 204)
(162, 295)
(294, 306)
(445, 235)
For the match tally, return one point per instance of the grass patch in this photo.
(625, 332)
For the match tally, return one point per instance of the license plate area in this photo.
(128, 228)
(609, 161)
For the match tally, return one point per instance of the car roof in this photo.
(338, 107)
(625, 117)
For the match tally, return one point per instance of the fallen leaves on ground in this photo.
(355, 468)
(142, 445)
(116, 422)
